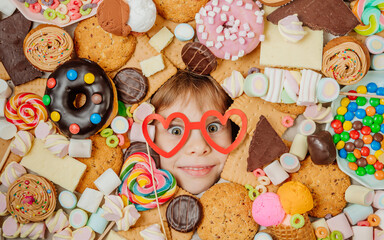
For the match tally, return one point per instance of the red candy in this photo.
(336, 124)
(364, 151)
(365, 130)
(363, 224)
(339, 130)
(51, 83)
(378, 165)
(74, 128)
(352, 97)
(354, 135)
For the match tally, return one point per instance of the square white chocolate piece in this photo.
(152, 65)
(90, 200)
(107, 182)
(65, 172)
(161, 39)
(277, 52)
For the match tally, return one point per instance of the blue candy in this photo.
(349, 116)
(71, 74)
(360, 113)
(371, 87)
(95, 118)
(380, 91)
(375, 145)
(343, 153)
(352, 107)
(382, 128)
(380, 109)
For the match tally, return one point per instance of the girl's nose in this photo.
(196, 144)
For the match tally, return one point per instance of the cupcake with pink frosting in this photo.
(22, 143)
(3, 205)
(57, 221)
(57, 144)
(11, 228)
(12, 172)
(33, 230)
(65, 234)
(44, 129)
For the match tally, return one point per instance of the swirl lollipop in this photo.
(370, 15)
(25, 110)
(137, 185)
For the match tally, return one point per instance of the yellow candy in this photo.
(89, 78)
(344, 102)
(342, 110)
(361, 89)
(382, 101)
(340, 145)
(347, 125)
(55, 116)
(378, 153)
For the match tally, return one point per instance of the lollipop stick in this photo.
(5, 157)
(106, 231)
(360, 95)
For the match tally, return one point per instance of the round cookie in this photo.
(227, 213)
(289, 108)
(109, 51)
(327, 184)
(102, 158)
(131, 85)
(176, 11)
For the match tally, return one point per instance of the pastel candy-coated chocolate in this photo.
(340, 223)
(276, 173)
(78, 218)
(267, 209)
(359, 195)
(97, 222)
(356, 213)
(256, 85)
(365, 233)
(67, 199)
(377, 62)
(90, 200)
(107, 182)
(378, 200)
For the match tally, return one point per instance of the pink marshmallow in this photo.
(136, 133)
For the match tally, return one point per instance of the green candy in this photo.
(46, 100)
(122, 109)
(378, 119)
(351, 158)
(361, 171)
(375, 128)
(374, 102)
(336, 138)
(361, 101)
(344, 136)
(370, 169)
(367, 121)
(340, 118)
(26, 4)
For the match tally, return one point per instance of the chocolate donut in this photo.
(71, 80)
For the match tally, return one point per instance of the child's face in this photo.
(196, 166)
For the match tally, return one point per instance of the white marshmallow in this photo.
(107, 182)
(81, 148)
(90, 200)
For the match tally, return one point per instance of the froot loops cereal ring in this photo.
(373, 220)
(62, 9)
(106, 132)
(264, 180)
(112, 141)
(49, 14)
(25, 110)
(370, 15)
(35, 8)
(252, 192)
(336, 235)
(321, 232)
(258, 172)
(55, 4)
(287, 121)
(261, 189)
(297, 221)
(137, 186)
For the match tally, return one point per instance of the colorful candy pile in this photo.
(359, 129)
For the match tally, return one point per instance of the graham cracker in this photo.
(173, 50)
(3, 73)
(150, 217)
(36, 86)
(254, 107)
(235, 168)
(225, 67)
(134, 233)
(142, 52)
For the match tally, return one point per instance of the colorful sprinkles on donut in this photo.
(359, 130)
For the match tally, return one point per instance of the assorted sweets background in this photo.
(297, 84)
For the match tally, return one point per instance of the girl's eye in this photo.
(214, 127)
(176, 131)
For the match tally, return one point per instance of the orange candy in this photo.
(371, 159)
(357, 153)
(370, 111)
(353, 166)
(379, 175)
(367, 139)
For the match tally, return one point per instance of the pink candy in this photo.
(267, 209)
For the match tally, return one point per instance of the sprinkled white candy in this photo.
(215, 2)
(231, 19)
(219, 29)
(233, 30)
(233, 37)
(250, 35)
(246, 27)
(211, 13)
(218, 45)
(259, 15)
(241, 53)
(223, 17)
(227, 34)
(242, 41)
(227, 55)
(216, 9)
(204, 35)
(239, 3)
(237, 22)
(209, 43)
(234, 58)
(200, 29)
(248, 6)
(208, 8)
(211, 20)
(220, 38)
(197, 16)
(258, 3)
(229, 1)
(225, 8)
(262, 38)
(203, 12)
(242, 33)
(199, 21)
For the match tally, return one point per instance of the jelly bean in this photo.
(380, 109)
(336, 138)
(365, 130)
(344, 102)
(375, 145)
(375, 128)
(352, 97)
(365, 151)
(349, 116)
(343, 153)
(379, 175)
(353, 166)
(370, 169)
(344, 136)
(370, 111)
(340, 145)
(361, 171)
(352, 107)
(336, 124)
(351, 157)
(339, 130)
(367, 139)
(380, 91)
(342, 110)
(357, 153)
(360, 113)
(378, 119)
(371, 159)
(347, 125)
(374, 102)
(371, 87)
(354, 134)
(361, 89)
(367, 121)
(378, 165)
(361, 101)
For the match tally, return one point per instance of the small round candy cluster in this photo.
(359, 129)
(63, 11)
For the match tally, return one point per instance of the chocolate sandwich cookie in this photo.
(184, 213)
(131, 85)
(198, 58)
